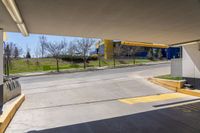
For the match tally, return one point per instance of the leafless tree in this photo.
(150, 54)
(43, 42)
(159, 53)
(71, 51)
(118, 50)
(83, 46)
(37, 55)
(55, 50)
(10, 51)
(134, 50)
(28, 52)
(17, 52)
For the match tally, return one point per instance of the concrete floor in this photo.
(88, 102)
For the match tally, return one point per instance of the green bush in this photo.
(93, 57)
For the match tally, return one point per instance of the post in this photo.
(98, 53)
(1, 69)
(108, 49)
(114, 54)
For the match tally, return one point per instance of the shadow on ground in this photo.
(180, 119)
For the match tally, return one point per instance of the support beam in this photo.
(108, 49)
(1, 69)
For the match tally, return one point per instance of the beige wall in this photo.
(191, 61)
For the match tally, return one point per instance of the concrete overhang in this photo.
(141, 44)
(186, 43)
(152, 21)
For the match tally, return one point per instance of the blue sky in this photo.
(32, 41)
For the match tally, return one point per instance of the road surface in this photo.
(93, 102)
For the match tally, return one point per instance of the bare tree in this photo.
(28, 53)
(150, 54)
(134, 50)
(160, 55)
(10, 51)
(43, 42)
(37, 55)
(55, 50)
(83, 47)
(7, 57)
(17, 52)
(71, 51)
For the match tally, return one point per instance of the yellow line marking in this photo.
(153, 98)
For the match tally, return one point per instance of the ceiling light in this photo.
(15, 14)
(13, 10)
(23, 29)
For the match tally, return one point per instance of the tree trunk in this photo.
(71, 59)
(7, 68)
(57, 65)
(84, 61)
(134, 59)
(114, 56)
(134, 51)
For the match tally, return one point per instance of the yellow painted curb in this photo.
(189, 92)
(170, 84)
(8, 114)
(176, 86)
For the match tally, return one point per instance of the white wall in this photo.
(191, 61)
(176, 67)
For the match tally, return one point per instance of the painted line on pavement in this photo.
(153, 98)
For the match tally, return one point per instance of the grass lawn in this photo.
(49, 64)
(169, 77)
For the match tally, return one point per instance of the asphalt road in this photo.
(89, 102)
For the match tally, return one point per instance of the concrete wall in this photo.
(191, 61)
(176, 67)
(191, 64)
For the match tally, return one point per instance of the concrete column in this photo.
(1, 69)
(108, 49)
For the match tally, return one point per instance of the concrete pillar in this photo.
(108, 49)
(1, 69)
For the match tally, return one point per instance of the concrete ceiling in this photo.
(158, 21)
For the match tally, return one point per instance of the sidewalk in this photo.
(87, 69)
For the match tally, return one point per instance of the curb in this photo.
(8, 114)
(176, 87)
(170, 84)
(90, 69)
(189, 92)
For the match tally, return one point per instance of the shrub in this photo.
(93, 57)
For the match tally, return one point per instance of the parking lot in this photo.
(108, 101)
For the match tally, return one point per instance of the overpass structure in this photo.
(151, 21)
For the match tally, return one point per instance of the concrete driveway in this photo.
(89, 102)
